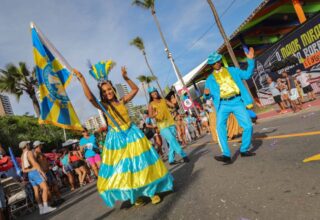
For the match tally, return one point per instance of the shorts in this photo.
(277, 99)
(294, 94)
(2, 198)
(35, 178)
(307, 89)
(93, 160)
(77, 164)
(67, 169)
(51, 179)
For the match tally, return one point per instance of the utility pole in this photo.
(225, 38)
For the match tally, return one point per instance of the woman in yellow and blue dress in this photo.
(130, 166)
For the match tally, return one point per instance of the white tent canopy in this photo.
(188, 78)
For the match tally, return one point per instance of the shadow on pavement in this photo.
(183, 176)
(105, 215)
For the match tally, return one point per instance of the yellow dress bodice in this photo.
(123, 121)
(163, 118)
(228, 87)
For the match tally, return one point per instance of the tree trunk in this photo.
(149, 67)
(145, 93)
(35, 103)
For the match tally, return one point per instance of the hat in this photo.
(23, 144)
(151, 89)
(214, 57)
(37, 143)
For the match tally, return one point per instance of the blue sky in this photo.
(102, 29)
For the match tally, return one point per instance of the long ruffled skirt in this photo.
(131, 167)
(233, 128)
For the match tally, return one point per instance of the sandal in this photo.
(155, 199)
(139, 202)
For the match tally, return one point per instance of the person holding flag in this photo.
(130, 166)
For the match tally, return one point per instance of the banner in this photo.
(298, 50)
(53, 78)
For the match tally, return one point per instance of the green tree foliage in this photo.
(18, 128)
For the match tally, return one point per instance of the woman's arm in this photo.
(86, 89)
(134, 88)
(170, 104)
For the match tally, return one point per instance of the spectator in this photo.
(191, 125)
(181, 129)
(303, 79)
(299, 89)
(36, 177)
(281, 85)
(2, 203)
(88, 144)
(204, 121)
(276, 94)
(152, 133)
(67, 168)
(45, 166)
(293, 93)
(75, 159)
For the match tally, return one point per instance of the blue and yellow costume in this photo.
(166, 124)
(130, 166)
(230, 96)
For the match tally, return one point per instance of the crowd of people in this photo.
(288, 91)
(129, 164)
(74, 164)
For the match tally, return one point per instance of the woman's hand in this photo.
(124, 72)
(250, 54)
(77, 73)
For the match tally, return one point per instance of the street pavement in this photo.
(275, 184)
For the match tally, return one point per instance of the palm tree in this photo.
(18, 80)
(150, 5)
(138, 42)
(146, 80)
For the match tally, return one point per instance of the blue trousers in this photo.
(237, 107)
(169, 134)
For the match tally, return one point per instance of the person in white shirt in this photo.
(303, 79)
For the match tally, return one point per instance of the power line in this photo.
(200, 38)
(206, 32)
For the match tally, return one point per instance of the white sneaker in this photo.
(48, 209)
(41, 210)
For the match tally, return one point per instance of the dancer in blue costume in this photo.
(231, 96)
(158, 109)
(130, 166)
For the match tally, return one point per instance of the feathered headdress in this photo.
(100, 71)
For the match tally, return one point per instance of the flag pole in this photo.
(64, 62)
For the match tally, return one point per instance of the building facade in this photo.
(5, 105)
(122, 90)
(95, 122)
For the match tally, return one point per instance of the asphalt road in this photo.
(274, 184)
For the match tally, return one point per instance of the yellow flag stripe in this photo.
(54, 112)
(43, 92)
(73, 116)
(40, 61)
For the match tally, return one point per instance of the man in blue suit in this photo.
(230, 95)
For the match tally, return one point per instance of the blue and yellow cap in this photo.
(213, 58)
(151, 89)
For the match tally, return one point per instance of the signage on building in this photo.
(185, 99)
(298, 50)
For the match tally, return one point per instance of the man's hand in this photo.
(250, 55)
